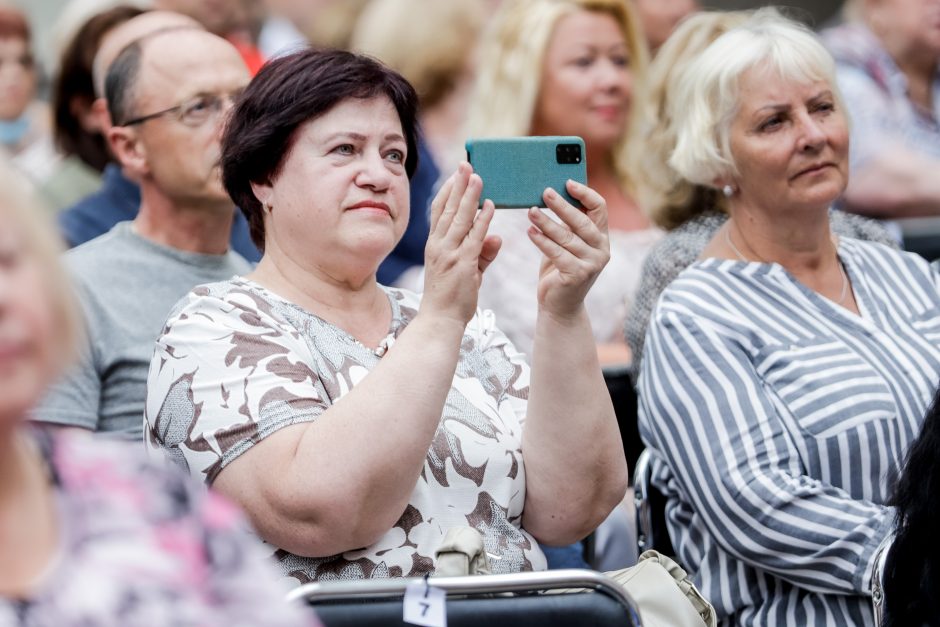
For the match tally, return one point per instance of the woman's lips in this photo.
(373, 205)
(814, 169)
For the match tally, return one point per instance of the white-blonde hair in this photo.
(706, 99)
(511, 64)
(669, 199)
(41, 240)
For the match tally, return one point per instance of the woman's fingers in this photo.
(595, 207)
(458, 187)
(590, 223)
(440, 199)
(465, 215)
(489, 250)
(558, 232)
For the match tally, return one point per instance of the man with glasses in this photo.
(119, 196)
(168, 94)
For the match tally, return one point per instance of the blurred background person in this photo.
(690, 214)
(908, 566)
(119, 197)
(291, 24)
(887, 64)
(237, 21)
(437, 55)
(168, 95)
(25, 121)
(77, 126)
(659, 18)
(570, 67)
(92, 533)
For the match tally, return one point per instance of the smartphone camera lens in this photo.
(566, 154)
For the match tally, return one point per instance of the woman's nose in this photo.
(813, 133)
(374, 172)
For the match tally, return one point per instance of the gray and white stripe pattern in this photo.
(776, 421)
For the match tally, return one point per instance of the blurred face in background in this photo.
(660, 17)
(28, 348)
(17, 77)
(586, 81)
(907, 25)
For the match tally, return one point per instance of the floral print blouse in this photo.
(236, 363)
(141, 544)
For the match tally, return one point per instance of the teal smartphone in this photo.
(516, 170)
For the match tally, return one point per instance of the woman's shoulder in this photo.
(236, 302)
(876, 254)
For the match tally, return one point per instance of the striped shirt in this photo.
(776, 421)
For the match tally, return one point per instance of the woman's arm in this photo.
(705, 411)
(341, 481)
(897, 183)
(574, 459)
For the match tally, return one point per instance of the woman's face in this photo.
(340, 201)
(790, 142)
(586, 81)
(17, 78)
(915, 24)
(27, 328)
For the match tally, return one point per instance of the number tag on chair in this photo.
(424, 605)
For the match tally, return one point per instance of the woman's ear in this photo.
(264, 192)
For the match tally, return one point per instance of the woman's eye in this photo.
(344, 149)
(397, 156)
(825, 107)
(771, 123)
(620, 60)
(583, 61)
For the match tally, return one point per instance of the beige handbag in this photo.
(661, 589)
(664, 593)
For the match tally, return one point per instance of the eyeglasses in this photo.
(194, 112)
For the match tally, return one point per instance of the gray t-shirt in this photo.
(127, 286)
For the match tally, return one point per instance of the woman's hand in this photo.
(575, 250)
(458, 248)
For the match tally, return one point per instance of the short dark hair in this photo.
(73, 82)
(289, 91)
(120, 82)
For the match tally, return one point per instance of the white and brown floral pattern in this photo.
(236, 363)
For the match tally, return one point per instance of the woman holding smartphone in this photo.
(442, 422)
(566, 67)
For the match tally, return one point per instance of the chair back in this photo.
(651, 530)
(570, 597)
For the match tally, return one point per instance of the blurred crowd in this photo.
(220, 217)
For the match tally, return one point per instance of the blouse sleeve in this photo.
(706, 413)
(226, 373)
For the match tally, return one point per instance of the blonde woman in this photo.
(788, 369)
(690, 213)
(75, 510)
(566, 67)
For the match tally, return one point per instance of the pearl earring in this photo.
(728, 191)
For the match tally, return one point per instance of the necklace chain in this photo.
(845, 279)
